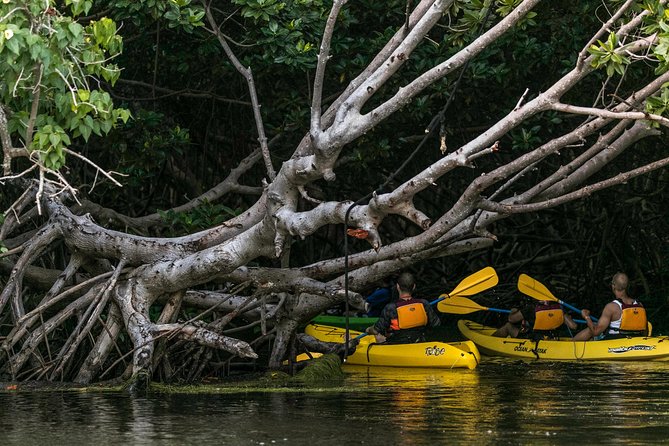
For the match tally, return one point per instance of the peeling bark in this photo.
(221, 293)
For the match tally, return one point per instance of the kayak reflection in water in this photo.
(405, 320)
(623, 317)
(541, 321)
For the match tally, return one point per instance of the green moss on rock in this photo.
(325, 368)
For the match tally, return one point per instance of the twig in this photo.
(605, 27)
(521, 100)
(590, 111)
(97, 168)
(246, 73)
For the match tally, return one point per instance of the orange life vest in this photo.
(549, 316)
(410, 314)
(633, 317)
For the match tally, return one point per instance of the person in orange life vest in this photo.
(624, 316)
(404, 321)
(539, 321)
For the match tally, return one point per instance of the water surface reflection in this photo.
(501, 402)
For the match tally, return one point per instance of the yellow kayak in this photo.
(424, 354)
(626, 349)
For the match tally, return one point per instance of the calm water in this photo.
(502, 402)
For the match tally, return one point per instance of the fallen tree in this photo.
(83, 301)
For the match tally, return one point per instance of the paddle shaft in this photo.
(501, 310)
(573, 308)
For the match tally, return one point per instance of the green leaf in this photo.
(42, 139)
(85, 131)
(104, 30)
(75, 28)
(106, 126)
(54, 139)
(36, 52)
(13, 45)
(172, 15)
(124, 115)
(83, 94)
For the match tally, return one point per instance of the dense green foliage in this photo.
(54, 55)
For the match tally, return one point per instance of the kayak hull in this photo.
(625, 349)
(423, 354)
(354, 323)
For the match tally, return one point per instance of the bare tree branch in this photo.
(246, 72)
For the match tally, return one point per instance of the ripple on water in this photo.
(500, 402)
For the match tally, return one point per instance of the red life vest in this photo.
(410, 314)
(548, 316)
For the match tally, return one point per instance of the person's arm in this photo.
(383, 322)
(569, 322)
(602, 323)
(516, 316)
(433, 319)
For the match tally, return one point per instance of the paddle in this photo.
(462, 305)
(470, 285)
(474, 284)
(538, 291)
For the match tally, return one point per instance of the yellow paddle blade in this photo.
(534, 288)
(459, 305)
(476, 283)
(650, 328)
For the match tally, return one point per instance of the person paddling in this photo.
(540, 321)
(404, 321)
(623, 317)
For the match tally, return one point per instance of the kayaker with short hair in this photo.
(540, 321)
(404, 321)
(624, 316)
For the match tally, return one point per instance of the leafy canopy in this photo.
(47, 62)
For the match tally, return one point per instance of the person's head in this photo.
(620, 282)
(386, 282)
(406, 283)
(542, 304)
